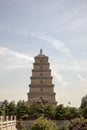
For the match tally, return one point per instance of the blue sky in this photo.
(59, 27)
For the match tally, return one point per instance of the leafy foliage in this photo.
(5, 107)
(0, 111)
(73, 112)
(78, 124)
(60, 112)
(64, 127)
(84, 112)
(43, 124)
(11, 109)
(49, 111)
(22, 109)
(83, 102)
(36, 110)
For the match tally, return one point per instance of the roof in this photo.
(41, 54)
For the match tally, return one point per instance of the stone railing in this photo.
(8, 124)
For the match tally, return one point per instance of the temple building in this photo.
(41, 88)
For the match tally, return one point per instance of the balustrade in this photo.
(8, 124)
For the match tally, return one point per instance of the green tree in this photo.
(43, 124)
(63, 127)
(78, 124)
(8, 108)
(11, 108)
(23, 126)
(5, 108)
(84, 112)
(60, 112)
(0, 112)
(49, 111)
(83, 102)
(67, 113)
(37, 109)
(72, 112)
(22, 109)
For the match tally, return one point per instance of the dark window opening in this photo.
(41, 61)
(41, 89)
(41, 81)
(41, 74)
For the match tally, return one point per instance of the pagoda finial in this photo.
(41, 51)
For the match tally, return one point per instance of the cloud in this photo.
(11, 59)
(6, 51)
(60, 79)
(55, 43)
(76, 25)
(80, 77)
(59, 46)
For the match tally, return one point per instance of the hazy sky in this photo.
(59, 27)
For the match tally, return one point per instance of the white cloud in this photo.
(6, 51)
(12, 59)
(80, 77)
(55, 43)
(59, 46)
(60, 79)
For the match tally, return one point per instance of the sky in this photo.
(59, 27)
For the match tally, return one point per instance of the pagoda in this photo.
(41, 88)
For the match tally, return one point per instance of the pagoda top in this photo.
(41, 51)
(41, 54)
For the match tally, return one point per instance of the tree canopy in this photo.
(83, 102)
(23, 110)
(43, 124)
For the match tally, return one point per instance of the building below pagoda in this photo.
(41, 88)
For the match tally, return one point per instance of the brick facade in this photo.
(41, 86)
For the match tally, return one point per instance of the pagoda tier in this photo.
(41, 87)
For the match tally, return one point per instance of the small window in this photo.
(41, 61)
(41, 89)
(41, 81)
(41, 74)
(41, 67)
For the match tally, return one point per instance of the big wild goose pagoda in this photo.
(41, 88)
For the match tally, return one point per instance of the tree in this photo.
(5, 108)
(11, 108)
(78, 124)
(36, 110)
(60, 112)
(63, 127)
(22, 109)
(84, 112)
(73, 113)
(43, 124)
(49, 111)
(0, 112)
(83, 102)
